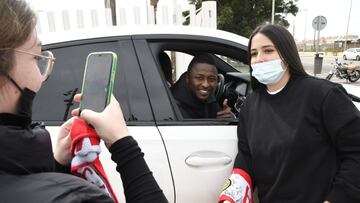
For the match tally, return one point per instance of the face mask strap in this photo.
(13, 81)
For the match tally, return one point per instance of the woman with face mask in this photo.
(298, 136)
(29, 170)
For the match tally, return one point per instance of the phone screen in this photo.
(96, 83)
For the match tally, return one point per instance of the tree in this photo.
(243, 16)
(186, 13)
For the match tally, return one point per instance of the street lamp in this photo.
(305, 29)
(304, 48)
(347, 28)
(273, 12)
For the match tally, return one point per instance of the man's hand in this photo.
(226, 112)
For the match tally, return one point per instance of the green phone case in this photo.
(111, 77)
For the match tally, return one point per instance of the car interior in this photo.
(233, 84)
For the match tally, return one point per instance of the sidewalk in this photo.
(312, 54)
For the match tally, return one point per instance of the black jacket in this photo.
(189, 105)
(27, 167)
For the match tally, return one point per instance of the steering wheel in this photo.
(220, 86)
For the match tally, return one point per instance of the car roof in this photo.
(112, 31)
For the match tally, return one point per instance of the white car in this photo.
(352, 54)
(190, 158)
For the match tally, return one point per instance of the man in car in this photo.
(194, 92)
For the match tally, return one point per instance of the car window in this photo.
(235, 63)
(232, 90)
(181, 49)
(53, 103)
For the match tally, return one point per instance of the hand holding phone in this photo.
(98, 80)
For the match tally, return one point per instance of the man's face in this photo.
(202, 80)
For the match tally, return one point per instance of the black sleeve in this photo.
(138, 182)
(61, 168)
(342, 121)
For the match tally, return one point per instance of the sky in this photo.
(335, 11)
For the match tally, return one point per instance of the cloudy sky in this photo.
(335, 11)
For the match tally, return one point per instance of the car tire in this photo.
(344, 57)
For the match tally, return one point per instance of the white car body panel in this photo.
(80, 34)
(212, 151)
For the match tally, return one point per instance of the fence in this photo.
(63, 15)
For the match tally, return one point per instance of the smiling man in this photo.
(195, 90)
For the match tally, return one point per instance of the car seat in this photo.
(166, 67)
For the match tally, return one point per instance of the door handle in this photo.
(199, 161)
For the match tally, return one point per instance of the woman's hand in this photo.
(62, 150)
(109, 124)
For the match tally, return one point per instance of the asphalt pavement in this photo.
(327, 65)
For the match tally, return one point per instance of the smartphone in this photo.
(98, 80)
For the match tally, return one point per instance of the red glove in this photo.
(238, 188)
(85, 148)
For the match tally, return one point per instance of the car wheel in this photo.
(344, 57)
(358, 58)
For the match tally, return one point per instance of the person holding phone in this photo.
(298, 136)
(29, 169)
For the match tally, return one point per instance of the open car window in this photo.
(235, 78)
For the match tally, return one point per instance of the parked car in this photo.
(352, 54)
(190, 158)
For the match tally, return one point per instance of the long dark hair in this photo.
(286, 47)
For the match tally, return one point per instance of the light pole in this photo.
(347, 27)
(304, 48)
(273, 12)
(305, 29)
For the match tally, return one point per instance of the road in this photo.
(308, 63)
(353, 88)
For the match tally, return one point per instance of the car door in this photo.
(201, 152)
(54, 103)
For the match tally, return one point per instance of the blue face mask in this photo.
(268, 73)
